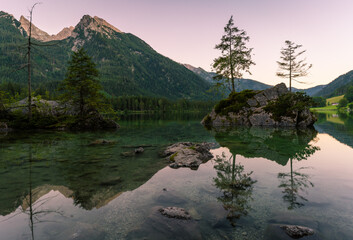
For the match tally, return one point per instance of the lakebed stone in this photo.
(295, 231)
(158, 226)
(187, 154)
(175, 212)
(253, 112)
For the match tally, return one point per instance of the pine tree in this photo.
(81, 85)
(235, 59)
(290, 67)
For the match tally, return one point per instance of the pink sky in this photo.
(187, 30)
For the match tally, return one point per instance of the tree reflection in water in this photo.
(236, 186)
(295, 183)
(32, 204)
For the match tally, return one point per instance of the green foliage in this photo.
(319, 102)
(235, 59)
(289, 105)
(235, 102)
(349, 94)
(208, 120)
(350, 106)
(81, 86)
(172, 158)
(143, 103)
(342, 103)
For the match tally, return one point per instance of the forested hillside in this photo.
(127, 65)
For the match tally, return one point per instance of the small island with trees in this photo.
(271, 107)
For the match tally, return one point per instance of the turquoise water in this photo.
(60, 185)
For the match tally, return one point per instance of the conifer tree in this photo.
(291, 67)
(81, 85)
(235, 59)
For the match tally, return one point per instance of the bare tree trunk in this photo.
(29, 68)
(29, 64)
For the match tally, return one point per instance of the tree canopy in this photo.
(81, 85)
(349, 94)
(235, 58)
(291, 67)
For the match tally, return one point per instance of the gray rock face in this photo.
(93, 119)
(187, 154)
(295, 231)
(254, 114)
(175, 212)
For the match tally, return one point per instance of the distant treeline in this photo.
(15, 92)
(140, 103)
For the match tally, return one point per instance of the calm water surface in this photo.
(60, 185)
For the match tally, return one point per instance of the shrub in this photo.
(289, 105)
(342, 103)
(235, 102)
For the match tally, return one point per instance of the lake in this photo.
(62, 185)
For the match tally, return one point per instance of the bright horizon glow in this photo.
(187, 31)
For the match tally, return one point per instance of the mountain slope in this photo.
(243, 83)
(127, 64)
(310, 91)
(248, 83)
(337, 86)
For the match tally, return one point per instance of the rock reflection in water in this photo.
(236, 186)
(279, 145)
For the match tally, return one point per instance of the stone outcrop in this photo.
(44, 107)
(253, 112)
(187, 154)
(92, 119)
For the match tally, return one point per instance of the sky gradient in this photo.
(188, 30)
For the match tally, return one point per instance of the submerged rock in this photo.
(248, 108)
(296, 231)
(139, 150)
(101, 142)
(158, 226)
(187, 154)
(175, 212)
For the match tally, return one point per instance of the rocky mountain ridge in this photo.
(128, 66)
(87, 23)
(41, 35)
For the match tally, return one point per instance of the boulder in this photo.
(93, 120)
(253, 112)
(187, 154)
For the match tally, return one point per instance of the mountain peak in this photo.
(96, 24)
(36, 32)
(43, 36)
